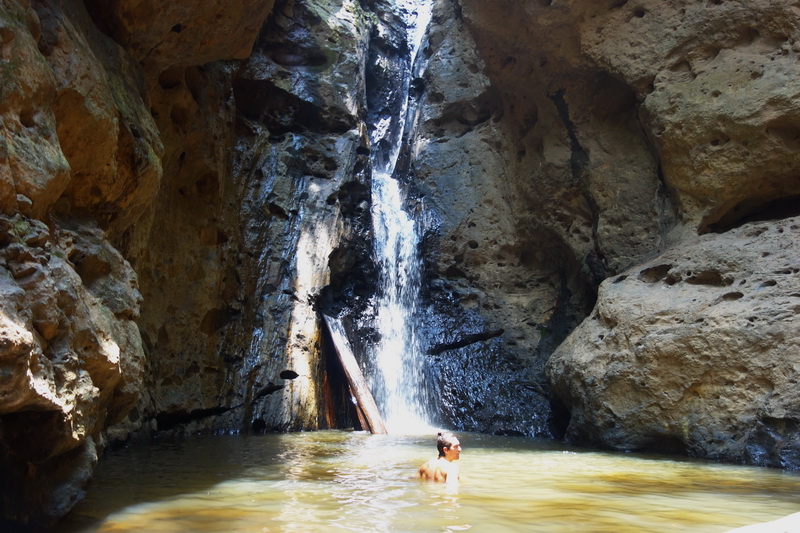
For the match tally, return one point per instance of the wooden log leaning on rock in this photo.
(366, 408)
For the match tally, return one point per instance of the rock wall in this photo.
(183, 186)
(541, 182)
(72, 359)
(220, 159)
(694, 352)
(299, 159)
(84, 153)
(636, 127)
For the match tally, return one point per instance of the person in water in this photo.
(445, 467)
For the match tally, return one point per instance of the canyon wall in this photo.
(671, 129)
(86, 159)
(608, 191)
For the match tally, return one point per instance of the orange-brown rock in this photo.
(166, 34)
(102, 120)
(80, 168)
(34, 171)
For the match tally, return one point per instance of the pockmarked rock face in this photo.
(486, 271)
(696, 351)
(581, 172)
(34, 171)
(628, 128)
(71, 360)
(102, 122)
(704, 90)
(718, 86)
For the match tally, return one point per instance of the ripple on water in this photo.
(353, 481)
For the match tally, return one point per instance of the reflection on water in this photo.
(354, 481)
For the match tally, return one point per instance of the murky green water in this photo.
(353, 481)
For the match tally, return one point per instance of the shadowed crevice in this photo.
(465, 341)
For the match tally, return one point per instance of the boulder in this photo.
(695, 352)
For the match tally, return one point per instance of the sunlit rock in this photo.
(71, 362)
(695, 351)
(34, 171)
(718, 89)
(80, 166)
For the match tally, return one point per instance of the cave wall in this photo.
(183, 185)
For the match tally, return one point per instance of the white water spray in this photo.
(400, 388)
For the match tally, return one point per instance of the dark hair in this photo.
(445, 440)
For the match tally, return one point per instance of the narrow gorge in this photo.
(604, 197)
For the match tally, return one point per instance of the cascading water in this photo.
(399, 388)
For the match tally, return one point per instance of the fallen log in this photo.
(366, 408)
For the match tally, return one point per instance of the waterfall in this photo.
(399, 386)
(397, 355)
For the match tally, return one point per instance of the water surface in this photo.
(354, 481)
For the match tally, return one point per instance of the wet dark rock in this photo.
(463, 341)
(282, 112)
(774, 442)
(480, 388)
(476, 382)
